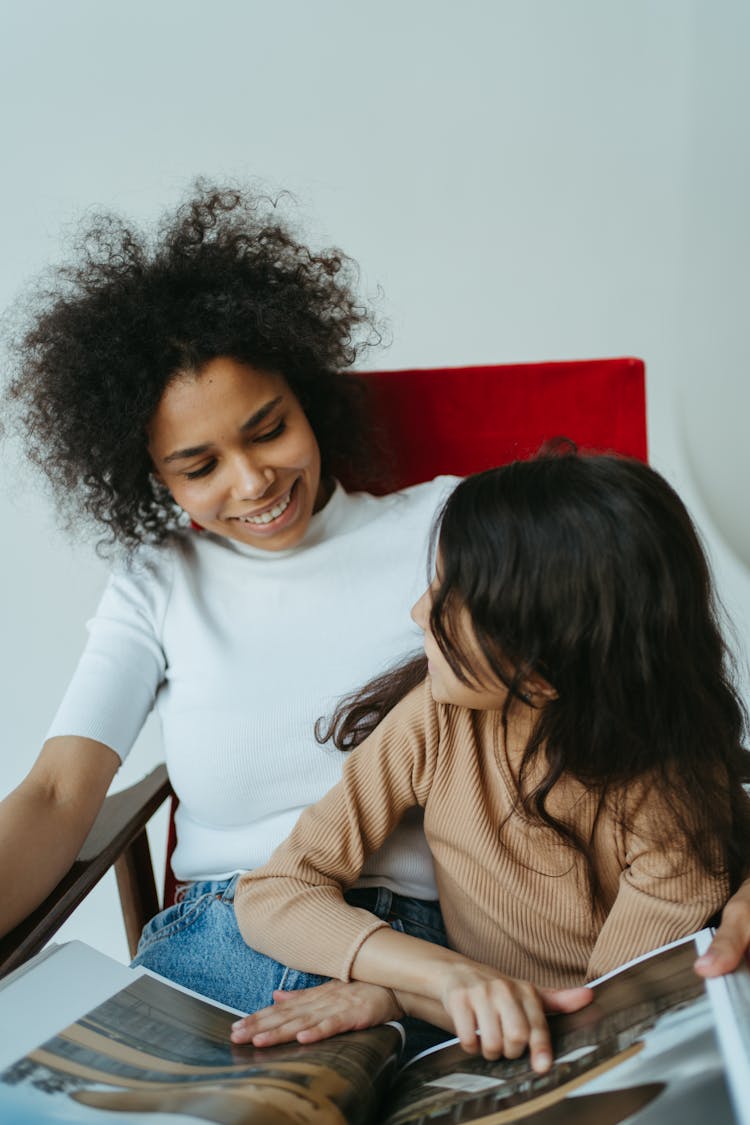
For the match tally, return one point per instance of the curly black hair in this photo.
(223, 275)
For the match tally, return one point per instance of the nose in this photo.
(251, 480)
(420, 611)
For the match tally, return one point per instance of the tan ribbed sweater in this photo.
(512, 895)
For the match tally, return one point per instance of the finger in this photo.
(309, 1030)
(515, 1024)
(506, 1030)
(287, 1005)
(284, 1033)
(722, 956)
(285, 1030)
(732, 939)
(281, 994)
(726, 951)
(464, 1021)
(325, 1028)
(565, 999)
(267, 1019)
(306, 1021)
(490, 1026)
(249, 1033)
(242, 1030)
(540, 1042)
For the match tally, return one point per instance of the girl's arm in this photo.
(489, 1012)
(732, 941)
(44, 821)
(292, 908)
(664, 893)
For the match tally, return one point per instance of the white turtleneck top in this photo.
(241, 650)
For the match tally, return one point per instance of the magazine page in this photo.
(50, 991)
(153, 1053)
(730, 1004)
(644, 1051)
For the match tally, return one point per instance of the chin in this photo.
(435, 691)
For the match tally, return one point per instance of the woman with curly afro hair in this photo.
(187, 391)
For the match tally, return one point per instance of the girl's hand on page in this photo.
(732, 940)
(500, 1016)
(312, 1014)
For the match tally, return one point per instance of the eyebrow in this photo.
(253, 421)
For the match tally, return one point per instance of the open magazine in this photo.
(657, 1045)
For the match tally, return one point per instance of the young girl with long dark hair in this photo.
(575, 744)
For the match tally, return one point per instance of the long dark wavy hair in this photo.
(588, 572)
(103, 336)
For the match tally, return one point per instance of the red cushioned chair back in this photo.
(460, 420)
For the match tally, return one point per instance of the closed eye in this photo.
(209, 466)
(203, 471)
(269, 435)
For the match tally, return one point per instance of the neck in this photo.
(325, 490)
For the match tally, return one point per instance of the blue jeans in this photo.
(197, 943)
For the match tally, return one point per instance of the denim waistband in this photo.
(378, 900)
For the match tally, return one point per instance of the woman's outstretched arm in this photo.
(732, 940)
(44, 821)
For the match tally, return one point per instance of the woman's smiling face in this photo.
(236, 451)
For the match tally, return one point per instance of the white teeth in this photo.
(273, 514)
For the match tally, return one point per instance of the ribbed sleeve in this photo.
(292, 908)
(663, 893)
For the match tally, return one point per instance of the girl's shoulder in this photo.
(413, 721)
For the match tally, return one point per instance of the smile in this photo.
(271, 513)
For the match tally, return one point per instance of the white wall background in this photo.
(525, 179)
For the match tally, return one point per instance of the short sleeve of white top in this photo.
(241, 651)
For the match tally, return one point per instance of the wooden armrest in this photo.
(118, 836)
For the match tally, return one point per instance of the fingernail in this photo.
(543, 1060)
(237, 1025)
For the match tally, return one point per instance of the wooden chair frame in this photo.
(118, 837)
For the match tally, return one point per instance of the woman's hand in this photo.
(732, 940)
(311, 1014)
(499, 1016)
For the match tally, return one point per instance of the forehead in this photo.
(212, 405)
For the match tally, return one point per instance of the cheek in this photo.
(195, 501)
(296, 451)
(310, 454)
(303, 445)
